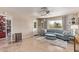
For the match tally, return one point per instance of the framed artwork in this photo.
(55, 24)
(34, 24)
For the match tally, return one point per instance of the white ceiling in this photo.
(62, 8)
(58, 11)
(16, 9)
(54, 11)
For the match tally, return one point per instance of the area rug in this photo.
(57, 42)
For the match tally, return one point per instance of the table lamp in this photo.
(74, 28)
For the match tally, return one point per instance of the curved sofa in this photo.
(54, 33)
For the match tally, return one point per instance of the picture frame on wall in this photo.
(34, 24)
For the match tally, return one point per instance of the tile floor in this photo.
(33, 45)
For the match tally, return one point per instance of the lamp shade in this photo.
(74, 26)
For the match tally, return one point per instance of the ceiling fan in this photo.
(44, 11)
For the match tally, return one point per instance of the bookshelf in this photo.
(5, 28)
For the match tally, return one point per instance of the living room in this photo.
(40, 28)
(58, 28)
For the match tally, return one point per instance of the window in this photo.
(55, 24)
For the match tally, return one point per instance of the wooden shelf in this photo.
(77, 39)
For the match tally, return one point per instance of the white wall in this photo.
(22, 24)
(22, 20)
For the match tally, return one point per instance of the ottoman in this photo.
(50, 36)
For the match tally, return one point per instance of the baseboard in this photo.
(27, 36)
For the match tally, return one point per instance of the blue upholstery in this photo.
(59, 34)
(55, 31)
